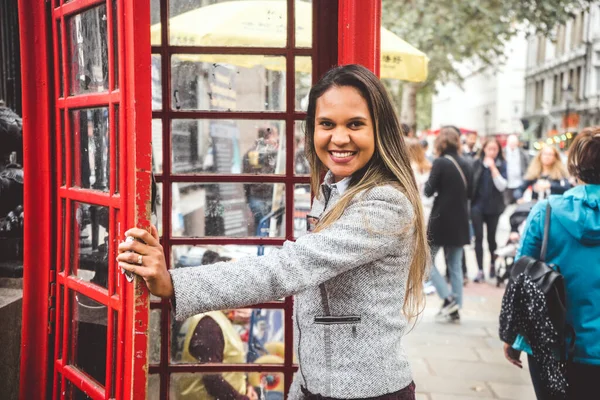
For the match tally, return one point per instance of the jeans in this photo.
(491, 222)
(453, 256)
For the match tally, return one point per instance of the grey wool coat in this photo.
(349, 282)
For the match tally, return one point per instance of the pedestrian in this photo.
(450, 181)
(357, 277)
(574, 248)
(546, 175)
(487, 201)
(421, 167)
(470, 149)
(517, 162)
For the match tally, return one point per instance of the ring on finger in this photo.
(139, 260)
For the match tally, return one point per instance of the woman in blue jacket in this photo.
(574, 246)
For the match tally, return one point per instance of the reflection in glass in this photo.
(88, 51)
(63, 146)
(302, 208)
(90, 137)
(89, 243)
(88, 336)
(221, 82)
(301, 165)
(303, 11)
(73, 392)
(61, 92)
(117, 145)
(155, 337)
(227, 23)
(156, 71)
(228, 209)
(154, 387)
(115, 41)
(250, 335)
(228, 146)
(157, 146)
(303, 82)
(157, 214)
(155, 38)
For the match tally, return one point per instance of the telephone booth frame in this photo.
(52, 186)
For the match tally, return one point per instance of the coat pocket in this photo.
(337, 319)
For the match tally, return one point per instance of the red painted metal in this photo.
(38, 198)
(360, 33)
(138, 118)
(84, 383)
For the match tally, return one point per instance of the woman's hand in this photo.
(513, 356)
(152, 267)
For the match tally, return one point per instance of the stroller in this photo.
(505, 256)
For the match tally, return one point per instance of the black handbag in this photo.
(551, 282)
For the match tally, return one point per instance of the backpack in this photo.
(535, 303)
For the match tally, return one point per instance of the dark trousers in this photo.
(582, 379)
(491, 222)
(509, 197)
(408, 393)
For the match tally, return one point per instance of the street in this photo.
(465, 361)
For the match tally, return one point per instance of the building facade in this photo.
(562, 80)
(489, 100)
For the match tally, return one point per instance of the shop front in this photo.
(185, 114)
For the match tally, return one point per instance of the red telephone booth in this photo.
(207, 96)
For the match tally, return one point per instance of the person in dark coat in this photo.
(450, 181)
(487, 199)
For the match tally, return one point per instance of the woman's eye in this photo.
(355, 124)
(326, 124)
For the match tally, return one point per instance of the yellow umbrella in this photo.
(263, 23)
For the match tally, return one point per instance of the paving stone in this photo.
(443, 352)
(464, 387)
(441, 396)
(508, 391)
(479, 371)
(421, 338)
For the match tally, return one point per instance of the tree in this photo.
(452, 31)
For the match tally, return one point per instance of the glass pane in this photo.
(88, 336)
(88, 51)
(303, 82)
(228, 209)
(63, 155)
(115, 343)
(73, 392)
(155, 337)
(227, 23)
(228, 82)
(153, 387)
(89, 133)
(228, 146)
(115, 41)
(61, 92)
(190, 256)
(301, 209)
(157, 217)
(117, 144)
(303, 23)
(267, 385)
(250, 336)
(59, 320)
(155, 35)
(89, 243)
(157, 146)
(156, 82)
(64, 233)
(301, 165)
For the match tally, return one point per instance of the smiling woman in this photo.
(344, 138)
(357, 277)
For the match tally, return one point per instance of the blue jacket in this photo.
(574, 246)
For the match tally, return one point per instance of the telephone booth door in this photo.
(213, 107)
(88, 107)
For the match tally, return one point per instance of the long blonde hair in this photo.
(558, 170)
(390, 164)
(417, 155)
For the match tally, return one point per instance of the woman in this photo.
(448, 227)
(421, 168)
(487, 201)
(574, 246)
(546, 175)
(358, 277)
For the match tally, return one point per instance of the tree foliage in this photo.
(453, 31)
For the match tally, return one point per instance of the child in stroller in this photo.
(505, 256)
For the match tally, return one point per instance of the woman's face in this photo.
(344, 136)
(491, 150)
(547, 157)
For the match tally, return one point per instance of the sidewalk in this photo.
(465, 361)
